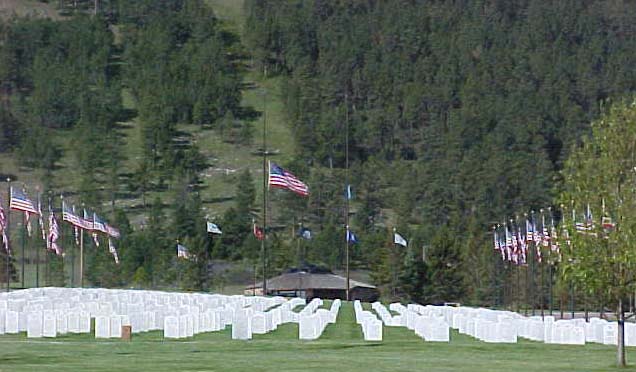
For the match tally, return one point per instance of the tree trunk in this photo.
(620, 351)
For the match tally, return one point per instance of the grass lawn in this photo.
(341, 348)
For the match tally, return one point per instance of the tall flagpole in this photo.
(82, 254)
(8, 255)
(24, 229)
(37, 251)
(265, 173)
(347, 195)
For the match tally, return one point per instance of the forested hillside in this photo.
(108, 110)
(459, 113)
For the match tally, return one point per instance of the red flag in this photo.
(258, 232)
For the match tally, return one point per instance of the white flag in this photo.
(214, 229)
(398, 239)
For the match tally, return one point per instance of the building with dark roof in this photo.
(310, 285)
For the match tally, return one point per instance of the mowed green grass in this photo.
(341, 348)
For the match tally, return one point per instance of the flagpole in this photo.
(37, 261)
(37, 251)
(8, 229)
(347, 195)
(47, 272)
(395, 248)
(24, 228)
(82, 255)
(265, 173)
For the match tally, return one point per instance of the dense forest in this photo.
(458, 113)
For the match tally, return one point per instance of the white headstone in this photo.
(372, 330)
(34, 327)
(115, 326)
(259, 324)
(73, 322)
(308, 327)
(11, 324)
(102, 327)
(171, 327)
(183, 326)
(242, 325)
(49, 324)
(62, 322)
(85, 322)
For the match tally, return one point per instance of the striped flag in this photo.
(280, 178)
(99, 224)
(69, 216)
(3, 228)
(529, 230)
(20, 202)
(522, 245)
(54, 235)
(508, 243)
(112, 232)
(89, 224)
(87, 221)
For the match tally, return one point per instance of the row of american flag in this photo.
(90, 222)
(513, 239)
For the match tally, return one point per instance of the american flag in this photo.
(502, 246)
(19, 201)
(113, 251)
(508, 244)
(54, 235)
(3, 227)
(87, 221)
(99, 224)
(112, 232)
(515, 247)
(69, 215)
(545, 234)
(529, 230)
(522, 245)
(279, 177)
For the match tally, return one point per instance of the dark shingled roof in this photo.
(305, 280)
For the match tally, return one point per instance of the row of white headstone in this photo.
(426, 321)
(371, 325)
(49, 312)
(247, 321)
(505, 327)
(313, 321)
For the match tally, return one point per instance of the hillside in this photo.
(224, 160)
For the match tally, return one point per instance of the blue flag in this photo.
(351, 237)
(304, 233)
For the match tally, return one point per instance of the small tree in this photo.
(600, 176)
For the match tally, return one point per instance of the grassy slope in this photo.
(341, 348)
(225, 159)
